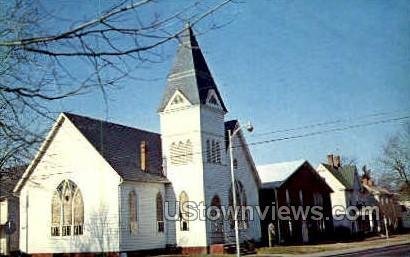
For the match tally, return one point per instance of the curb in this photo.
(339, 252)
(359, 250)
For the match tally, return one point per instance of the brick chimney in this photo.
(330, 160)
(336, 161)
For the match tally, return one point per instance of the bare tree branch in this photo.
(36, 64)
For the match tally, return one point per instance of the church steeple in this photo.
(190, 74)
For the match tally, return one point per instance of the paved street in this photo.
(390, 251)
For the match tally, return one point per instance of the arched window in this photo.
(78, 213)
(67, 210)
(208, 151)
(160, 212)
(188, 150)
(241, 203)
(218, 152)
(144, 156)
(217, 225)
(132, 203)
(183, 211)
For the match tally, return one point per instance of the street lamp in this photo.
(231, 134)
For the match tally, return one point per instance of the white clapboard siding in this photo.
(187, 177)
(146, 235)
(70, 156)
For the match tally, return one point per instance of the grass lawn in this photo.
(310, 249)
(306, 249)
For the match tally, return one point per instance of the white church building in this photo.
(96, 186)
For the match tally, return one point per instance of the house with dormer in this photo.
(100, 187)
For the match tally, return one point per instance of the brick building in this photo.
(296, 185)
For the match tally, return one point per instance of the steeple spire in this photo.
(190, 73)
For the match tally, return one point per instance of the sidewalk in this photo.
(333, 249)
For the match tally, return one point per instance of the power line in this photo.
(154, 157)
(328, 131)
(319, 124)
(319, 132)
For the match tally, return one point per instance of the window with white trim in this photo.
(133, 215)
(67, 210)
(183, 211)
(160, 213)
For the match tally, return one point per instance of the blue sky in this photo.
(286, 64)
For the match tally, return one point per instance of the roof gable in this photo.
(40, 153)
(177, 101)
(114, 143)
(278, 174)
(190, 74)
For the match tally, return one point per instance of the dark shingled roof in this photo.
(120, 147)
(190, 74)
(344, 174)
(9, 178)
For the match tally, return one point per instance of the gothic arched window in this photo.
(241, 203)
(217, 225)
(67, 210)
(132, 203)
(78, 213)
(160, 212)
(183, 211)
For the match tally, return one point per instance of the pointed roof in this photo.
(118, 144)
(190, 73)
(277, 174)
